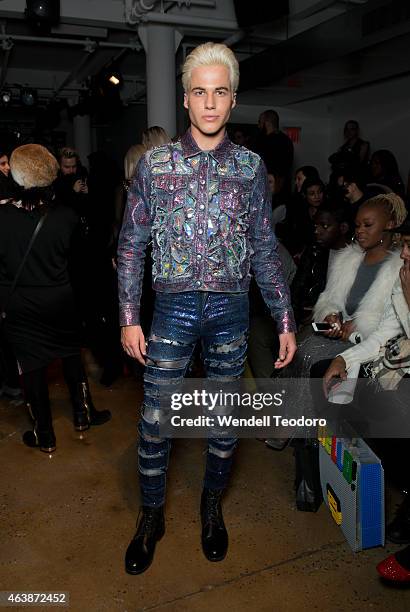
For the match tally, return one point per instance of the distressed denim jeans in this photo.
(220, 322)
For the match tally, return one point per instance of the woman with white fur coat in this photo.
(360, 282)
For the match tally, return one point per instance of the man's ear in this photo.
(233, 100)
(186, 100)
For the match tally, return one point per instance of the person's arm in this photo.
(267, 267)
(369, 349)
(132, 243)
(364, 152)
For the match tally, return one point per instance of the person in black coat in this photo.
(41, 322)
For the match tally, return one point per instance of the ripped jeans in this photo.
(220, 321)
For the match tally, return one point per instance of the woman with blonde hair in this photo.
(154, 136)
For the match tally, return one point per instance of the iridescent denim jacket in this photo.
(209, 216)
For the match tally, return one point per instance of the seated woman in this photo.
(363, 274)
(395, 322)
(297, 231)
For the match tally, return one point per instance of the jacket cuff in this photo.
(349, 357)
(287, 323)
(129, 315)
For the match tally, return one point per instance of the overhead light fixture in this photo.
(6, 97)
(43, 13)
(28, 96)
(111, 76)
(114, 79)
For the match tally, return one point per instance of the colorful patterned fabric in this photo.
(209, 216)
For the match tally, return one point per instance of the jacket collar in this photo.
(220, 153)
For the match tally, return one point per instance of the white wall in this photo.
(383, 111)
(314, 120)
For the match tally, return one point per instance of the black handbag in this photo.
(3, 313)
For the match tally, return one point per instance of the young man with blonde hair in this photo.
(206, 204)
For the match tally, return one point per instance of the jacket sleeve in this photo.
(369, 349)
(340, 279)
(265, 260)
(132, 243)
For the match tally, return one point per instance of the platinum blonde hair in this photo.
(131, 160)
(392, 204)
(211, 54)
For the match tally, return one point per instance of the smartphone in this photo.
(321, 326)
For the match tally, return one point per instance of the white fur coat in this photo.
(341, 278)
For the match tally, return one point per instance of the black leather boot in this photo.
(150, 529)
(398, 531)
(214, 534)
(84, 412)
(44, 440)
(42, 435)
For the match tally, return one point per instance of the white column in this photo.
(160, 43)
(82, 137)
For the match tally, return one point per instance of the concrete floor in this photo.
(67, 519)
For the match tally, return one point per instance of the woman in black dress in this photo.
(41, 317)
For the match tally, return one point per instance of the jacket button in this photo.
(200, 231)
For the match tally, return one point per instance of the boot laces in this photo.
(149, 522)
(212, 508)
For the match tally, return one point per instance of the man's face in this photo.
(4, 165)
(405, 247)
(351, 130)
(209, 100)
(68, 166)
(327, 230)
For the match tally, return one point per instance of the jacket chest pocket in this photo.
(234, 196)
(170, 191)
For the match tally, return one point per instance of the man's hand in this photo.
(405, 280)
(133, 342)
(337, 369)
(80, 186)
(287, 350)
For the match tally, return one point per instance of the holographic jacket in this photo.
(209, 216)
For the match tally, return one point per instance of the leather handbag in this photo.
(391, 366)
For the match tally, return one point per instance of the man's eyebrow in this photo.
(222, 87)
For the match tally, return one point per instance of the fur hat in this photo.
(32, 165)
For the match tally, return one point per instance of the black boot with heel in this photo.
(85, 413)
(42, 435)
